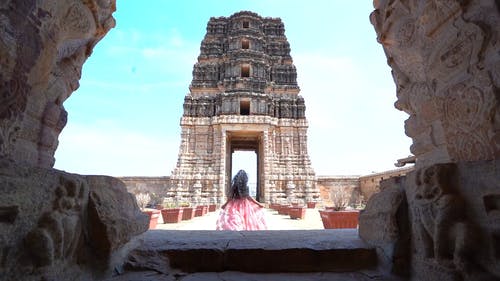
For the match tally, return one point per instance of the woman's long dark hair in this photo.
(239, 187)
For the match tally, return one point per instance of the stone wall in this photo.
(328, 185)
(359, 188)
(156, 187)
(370, 184)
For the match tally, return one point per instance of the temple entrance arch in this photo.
(245, 141)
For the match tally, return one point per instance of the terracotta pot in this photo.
(212, 208)
(297, 212)
(173, 215)
(274, 206)
(339, 219)
(153, 217)
(201, 211)
(311, 205)
(187, 213)
(283, 210)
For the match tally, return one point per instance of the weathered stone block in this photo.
(450, 223)
(113, 215)
(56, 225)
(384, 224)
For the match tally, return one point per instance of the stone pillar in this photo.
(442, 218)
(54, 225)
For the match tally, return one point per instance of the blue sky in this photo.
(124, 118)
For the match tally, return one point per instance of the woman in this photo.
(241, 211)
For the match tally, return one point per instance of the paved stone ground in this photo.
(274, 221)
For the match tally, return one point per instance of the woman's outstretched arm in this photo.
(256, 202)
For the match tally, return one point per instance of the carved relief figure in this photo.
(440, 227)
(59, 232)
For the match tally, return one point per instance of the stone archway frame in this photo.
(243, 140)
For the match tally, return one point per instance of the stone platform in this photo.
(263, 255)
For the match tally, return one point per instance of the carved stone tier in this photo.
(244, 96)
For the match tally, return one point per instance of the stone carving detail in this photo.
(439, 217)
(47, 225)
(444, 62)
(59, 232)
(452, 214)
(60, 226)
(42, 49)
(208, 106)
(54, 119)
(241, 90)
(466, 107)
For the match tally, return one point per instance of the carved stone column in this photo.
(445, 63)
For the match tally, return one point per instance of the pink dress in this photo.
(241, 214)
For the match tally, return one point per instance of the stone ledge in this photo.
(255, 251)
(241, 276)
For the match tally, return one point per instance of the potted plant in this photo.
(297, 212)
(201, 210)
(274, 206)
(311, 204)
(187, 211)
(283, 209)
(337, 216)
(142, 200)
(171, 213)
(212, 207)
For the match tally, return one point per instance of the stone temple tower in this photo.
(244, 96)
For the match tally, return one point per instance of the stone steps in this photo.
(261, 253)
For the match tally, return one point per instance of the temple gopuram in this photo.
(244, 97)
